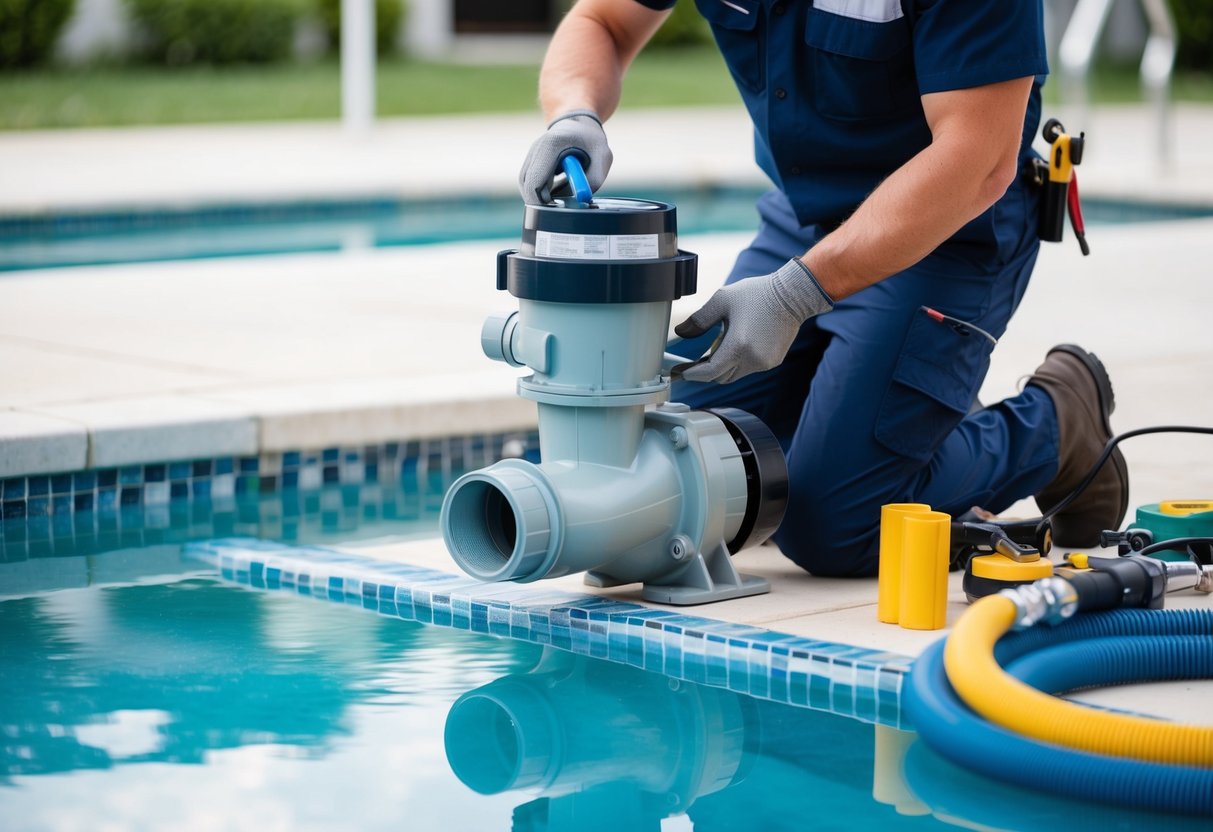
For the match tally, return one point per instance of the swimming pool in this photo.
(89, 238)
(143, 687)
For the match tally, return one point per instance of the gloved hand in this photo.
(578, 132)
(761, 318)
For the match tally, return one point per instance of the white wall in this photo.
(98, 29)
(429, 29)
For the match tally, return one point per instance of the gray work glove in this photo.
(761, 317)
(578, 133)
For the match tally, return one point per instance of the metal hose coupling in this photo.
(1186, 574)
(1049, 600)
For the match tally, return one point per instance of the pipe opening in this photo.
(500, 522)
(483, 528)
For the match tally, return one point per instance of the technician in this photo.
(896, 133)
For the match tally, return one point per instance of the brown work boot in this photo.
(1082, 394)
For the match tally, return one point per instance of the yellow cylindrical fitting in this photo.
(924, 570)
(888, 588)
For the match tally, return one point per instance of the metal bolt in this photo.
(679, 437)
(680, 547)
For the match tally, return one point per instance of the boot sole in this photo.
(1067, 535)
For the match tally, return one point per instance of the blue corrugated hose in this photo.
(948, 726)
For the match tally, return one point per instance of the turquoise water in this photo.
(140, 691)
(90, 238)
(142, 236)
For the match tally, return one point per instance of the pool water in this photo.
(151, 694)
(35, 242)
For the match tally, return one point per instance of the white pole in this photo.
(357, 65)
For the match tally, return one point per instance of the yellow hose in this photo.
(1006, 701)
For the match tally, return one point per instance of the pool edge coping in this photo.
(55, 439)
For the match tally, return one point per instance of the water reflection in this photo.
(167, 673)
(119, 704)
(608, 746)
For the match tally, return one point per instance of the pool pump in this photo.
(631, 487)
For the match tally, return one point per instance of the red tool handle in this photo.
(1076, 220)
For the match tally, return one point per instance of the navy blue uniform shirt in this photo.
(834, 90)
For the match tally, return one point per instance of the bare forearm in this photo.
(905, 219)
(582, 70)
(966, 169)
(590, 52)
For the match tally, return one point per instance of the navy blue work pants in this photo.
(874, 402)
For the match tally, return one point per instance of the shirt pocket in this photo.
(735, 27)
(862, 69)
(933, 385)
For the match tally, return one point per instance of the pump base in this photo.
(703, 580)
(686, 596)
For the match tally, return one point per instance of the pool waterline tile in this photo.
(859, 683)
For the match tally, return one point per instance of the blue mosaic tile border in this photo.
(410, 508)
(106, 490)
(856, 682)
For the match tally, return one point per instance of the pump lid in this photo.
(605, 215)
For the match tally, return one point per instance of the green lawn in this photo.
(149, 95)
(127, 95)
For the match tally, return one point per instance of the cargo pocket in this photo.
(735, 27)
(862, 69)
(935, 381)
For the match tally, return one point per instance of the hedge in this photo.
(30, 28)
(215, 31)
(388, 14)
(1194, 19)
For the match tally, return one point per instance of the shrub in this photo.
(387, 23)
(30, 28)
(215, 31)
(1194, 19)
(684, 27)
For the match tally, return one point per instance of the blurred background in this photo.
(98, 63)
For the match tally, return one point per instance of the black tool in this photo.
(978, 532)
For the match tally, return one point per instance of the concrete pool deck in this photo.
(114, 365)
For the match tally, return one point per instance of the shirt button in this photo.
(779, 8)
(794, 170)
(781, 93)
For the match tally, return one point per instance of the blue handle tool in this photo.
(577, 181)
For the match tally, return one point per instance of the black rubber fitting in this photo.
(597, 281)
(766, 473)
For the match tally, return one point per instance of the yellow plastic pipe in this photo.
(925, 537)
(1004, 700)
(888, 582)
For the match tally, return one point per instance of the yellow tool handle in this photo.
(1061, 165)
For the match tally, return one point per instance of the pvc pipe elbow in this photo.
(502, 523)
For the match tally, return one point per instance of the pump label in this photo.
(596, 246)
